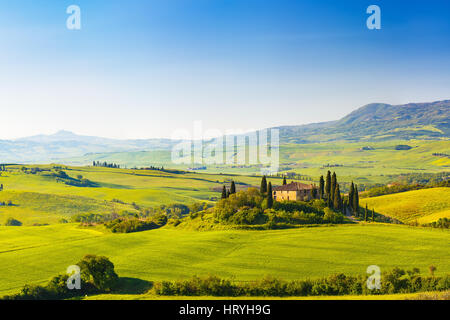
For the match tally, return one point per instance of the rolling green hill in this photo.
(169, 254)
(423, 206)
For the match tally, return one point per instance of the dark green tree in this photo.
(224, 193)
(232, 188)
(333, 186)
(263, 188)
(321, 187)
(269, 196)
(337, 198)
(328, 188)
(350, 196)
(365, 214)
(99, 271)
(284, 181)
(373, 218)
(356, 201)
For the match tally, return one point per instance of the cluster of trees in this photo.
(254, 208)
(79, 181)
(227, 192)
(329, 190)
(11, 222)
(2, 167)
(97, 276)
(105, 164)
(129, 225)
(443, 223)
(394, 281)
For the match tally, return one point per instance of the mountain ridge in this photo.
(375, 121)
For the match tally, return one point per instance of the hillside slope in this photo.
(423, 206)
(168, 254)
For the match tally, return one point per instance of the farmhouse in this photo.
(294, 191)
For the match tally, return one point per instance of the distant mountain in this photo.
(65, 144)
(376, 121)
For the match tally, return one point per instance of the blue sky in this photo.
(142, 69)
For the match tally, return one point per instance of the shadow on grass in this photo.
(133, 286)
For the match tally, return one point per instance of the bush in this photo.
(332, 217)
(99, 271)
(135, 225)
(395, 281)
(13, 222)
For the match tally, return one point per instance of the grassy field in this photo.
(423, 206)
(38, 198)
(35, 254)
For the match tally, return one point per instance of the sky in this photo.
(146, 69)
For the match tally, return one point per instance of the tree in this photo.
(328, 187)
(321, 187)
(99, 271)
(333, 186)
(263, 188)
(373, 218)
(365, 214)
(284, 181)
(350, 196)
(224, 193)
(432, 270)
(10, 222)
(228, 193)
(356, 201)
(232, 188)
(269, 196)
(337, 198)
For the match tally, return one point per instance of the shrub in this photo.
(13, 222)
(99, 271)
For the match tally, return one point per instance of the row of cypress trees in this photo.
(329, 191)
(226, 193)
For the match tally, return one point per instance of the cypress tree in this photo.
(321, 187)
(269, 196)
(365, 214)
(232, 188)
(373, 218)
(328, 187)
(356, 201)
(224, 192)
(333, 185)
(337, 198)
(350, 196)
(263, 188)
(284, 181)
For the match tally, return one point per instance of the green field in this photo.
(35, 254)
(38, 198)
(423, 206)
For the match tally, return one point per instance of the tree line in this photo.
(105, 164)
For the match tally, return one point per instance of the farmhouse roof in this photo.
(293, 186)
